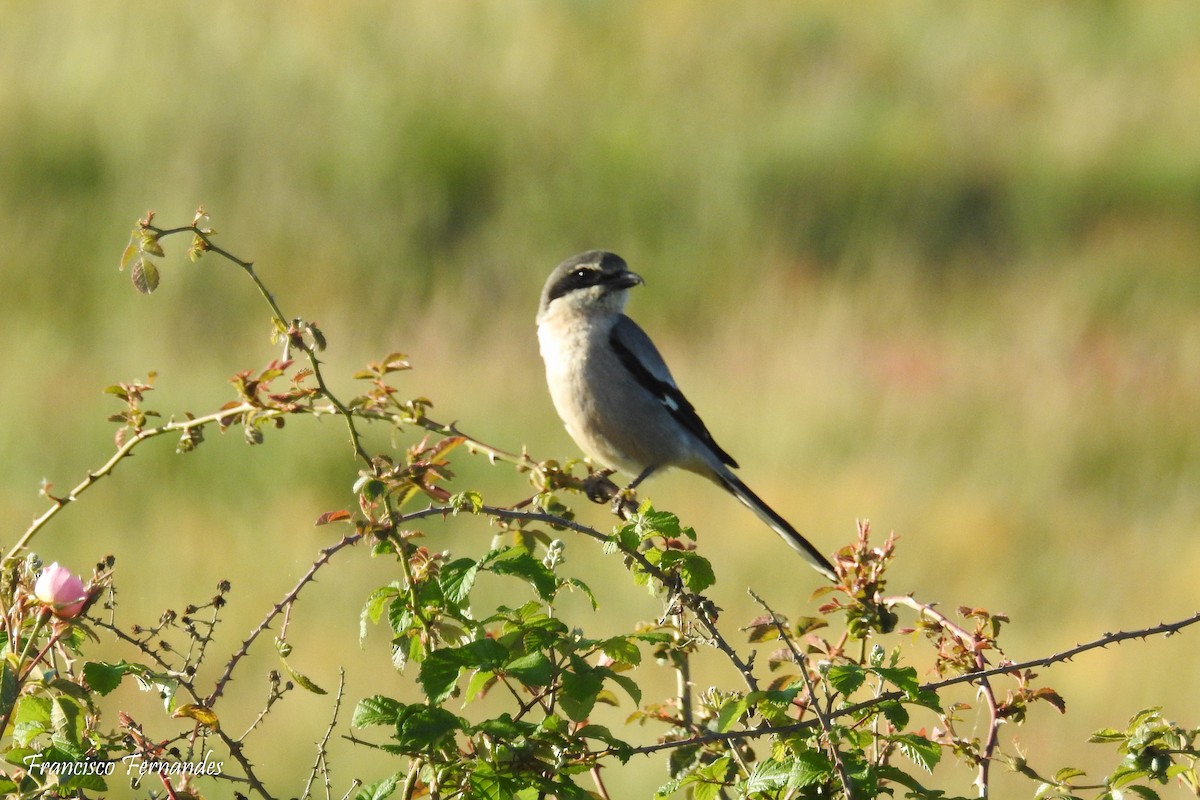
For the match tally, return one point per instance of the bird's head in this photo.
(595, 282)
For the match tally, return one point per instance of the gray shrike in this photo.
(615, 394)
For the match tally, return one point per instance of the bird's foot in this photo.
(599, 488)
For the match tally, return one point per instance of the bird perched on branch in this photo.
(616, 396)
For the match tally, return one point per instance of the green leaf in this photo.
(131, 250)
(457, 578)
(896, 775)
(103, 677)
(487, 784)
(903, 678)
(533, 669)
(66, 719)
(149, 244)
(504, 728)
(377, 710)
(480, 682)
(768, 776)
(695, 569)
(439, 672)
(627, 683)
(622, 650)
(519, 563)
(10, 687)
(808, 768)
(895, 713)
(1067, 773)
(649, 522)
(845, 678)
(425, 728)
(731, 712)
(922, 752)
(467, 501)
(1124, 775)
(373, 608)
(483, 654)
(1105, 735)
(575, 583)
(579, 691)
(379, 790)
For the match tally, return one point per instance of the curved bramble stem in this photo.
(277, 609)
(281, 322)
(174, 426)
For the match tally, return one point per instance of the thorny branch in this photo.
(1163, 629)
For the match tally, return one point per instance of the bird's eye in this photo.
(581, 274)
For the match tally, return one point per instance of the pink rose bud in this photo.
(61, 590)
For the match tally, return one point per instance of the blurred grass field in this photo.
(932, 265)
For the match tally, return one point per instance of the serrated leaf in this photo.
(922, 752)
(534, 669)
(424, 728)
(903, 678)
(731, 712)
(579, 691)
(622, 650)
(102, 677)
(808, 768)
(439, 672)
(144, 275)
(482, 654)
(380, 790)
(845, 678)
(457, 579)
(373, 608)
(627, 683)
(10, 688)
(768, 776)
(66, 722)
(695, 569)
(376, 710)
(895, 713)
(1067, 773)
(333, 516)
(1105, 735)
(523, 565)
(1123, 775)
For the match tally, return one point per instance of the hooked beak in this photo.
(628, 279)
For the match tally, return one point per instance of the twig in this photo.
(326, 554)
(814, 703)
(1163, 629)
(282, 321)
(321, 764)
(124, 450)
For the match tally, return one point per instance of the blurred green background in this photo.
(932, 265)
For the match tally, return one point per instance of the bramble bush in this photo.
(836, 711)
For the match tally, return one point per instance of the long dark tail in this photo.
(780, 525)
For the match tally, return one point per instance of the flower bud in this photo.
(61, 591)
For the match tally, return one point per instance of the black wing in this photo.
(642, 359)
